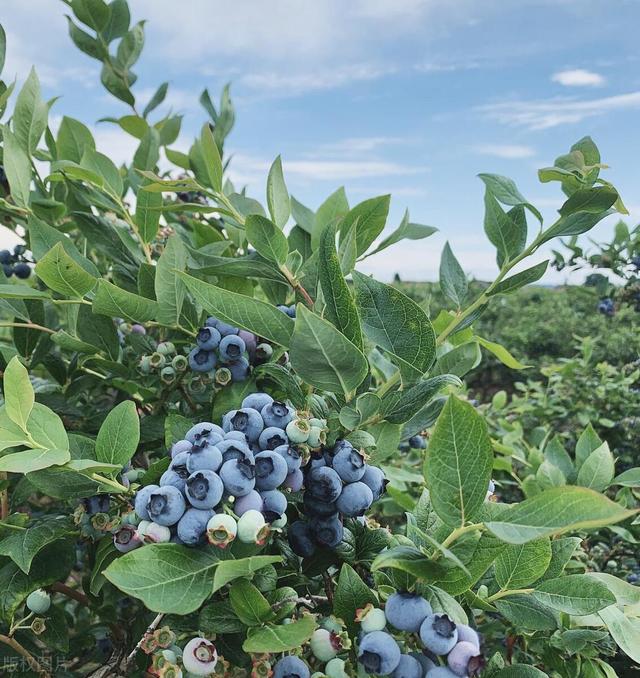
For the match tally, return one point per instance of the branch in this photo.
(79, 596)
(31, 660)
(150, 629)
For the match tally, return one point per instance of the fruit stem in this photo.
(31, 660)
(150, 629)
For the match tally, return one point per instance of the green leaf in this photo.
(598, 469)
(453, 280)
(102, 165)
(628, 478)
(130, 46)
(623, 631)
(118, 86)
(169, 287)
(157, 98)
(397, 324)
(507, 231)
(73, 140)
(280, 638)
(555, 511)
(118, 303)
(337, 365)
(351, 594)
(406, 231)
(269, 240)
(98, 330)
(33, 460)
(92, 13)
(211, 158)
(277, 195)
(515, 282)
(85, 42)
(23, 546)
(501, 353)
(62, 274)
(577, 594)
(148, 152)
(520, 671)
(30, 114)
(167, 578)
(400, 406)
(594, 200)
(459, 463)
(18, 393)
(147, 217)
(250, 314)
(370, 216)
(3, 47)
(505, 190)
(219, 617)
(229, 570)
(119, 20)
(17, 167)
(302, 215)
(574, 224)
(331, 210)
(11, 435)
(408, 559)
(68, 342)
(46, 428)
(526, 612)
(588, 442)
(340, 307)
(522, 564)
(119, 434)
(249, 604)
(562, 549)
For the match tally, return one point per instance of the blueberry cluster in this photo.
(229, 349)
(607, 307)
(164, 360)
(338, 483)
(379, 653)
(288, 310)
(15, 263)
(245, 463)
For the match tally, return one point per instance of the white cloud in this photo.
(543, 114)
(578, 77)
(507, 151)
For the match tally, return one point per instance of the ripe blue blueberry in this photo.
(236, 435)
(426, 663)
(245, 420)
(180, 446)
(349, 464)
(318, 507)
(166, 505)
(232, 448)
(374, 479)
(193, 526)
(465, 659)
(272, 437)
(468, 635)
(274, 504)
(294, 481)
(171, 477)
(406, 611)
(205, 431)
(301, 539)
(417, 443)
(257, 401)
(99, 503)
(379, 653)
(317, 460)
(441, 672)
(354, 499)
(291, 455)
(231, 348)
(251, 501)
(271, 470)
(330, 452)
(290, 667)
(201, 360)
(22, 270)
(208, 338)
(126, 538)
(204, 456)
(438, 634)
(324, 483)
(157, 534)
(277, 414)
(327, 531)
(239, 369)
(142, 499)
(238, 476)
(204, 489)
(408, 667)
(226, 330)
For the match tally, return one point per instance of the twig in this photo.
(79, 596)
(150, 629)
(188, 398)
(328, 587)
(30, 326)
(31, 660)
(4, 499)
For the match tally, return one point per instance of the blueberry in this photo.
(426, 663)
(204, 489)
(327, 531)
(284, 308)
(251, 501)
(277, 414)
(271, 470)
(633, 578)
(417, 443)
(38, 601)
(379, 653)
(142, 499)
(138, 329)
(174, 478)
(257, 401)
(236, 435)
(239, 370)
(441, 672)
(252, 528)
(354, 500)
(235, 449)
(370, 618)
(22, 270)
(211, 321)
(201, 360)
(468, 635)
(317, 437)
(19, 250)
(231, 348)
(291, 455)
(323, 644)
(272, 437)
(199, 657)
(250, 341)
(318, 507)
(8, 270)
(294, 481)
(301, 539)
(204, 456)
(349, 464)
(99, 503)
(157, 534)
(465, 659)
(438, 633)
(226, 330)
(221, 530)
(238, 476)
(374, 479)
(208, 338)
(205, 431)
(317, 460)
(5, 257)
(340, 445)
(298, 430)
(193, 526)
(180, 446)
(406, 611)
(166, 505)
(324, 483)
(290, 667)
(245, 420)
(263, 352)
(408, 667)
(126, 539)
(275, 504)
(291, 312)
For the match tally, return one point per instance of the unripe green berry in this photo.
(157, 360)
(335, 668)
(252, 527)
(222, 529)
(223, 376)
(371, 619)
(298, 430)
(317, 437)
(180, 363)
(125, 328)
(145, 364)
(318, 423)
(38, 601)
(168, 374)
(322, 646)
(264, 352)
(166, 348)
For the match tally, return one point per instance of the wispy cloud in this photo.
(543, 114)
(578, 77)
(507, 151)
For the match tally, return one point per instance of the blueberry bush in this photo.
(226, 451)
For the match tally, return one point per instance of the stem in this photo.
(507, 592)
(79, 596)
(31, 660)
(4, 499)
(70, 301)
(297, 287)
(150, 629)
(133, 226)
(459, 531)
(31, 326)
(9, 526)
(176, 328)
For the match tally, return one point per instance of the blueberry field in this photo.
(227, 450)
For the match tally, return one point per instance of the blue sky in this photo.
(411, 97)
